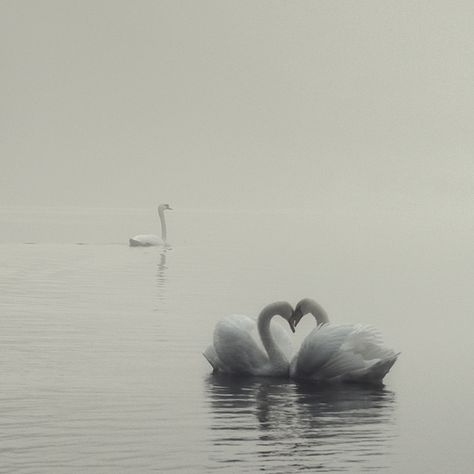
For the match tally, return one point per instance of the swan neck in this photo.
(319, 314)
(161, 213)
(275, 355)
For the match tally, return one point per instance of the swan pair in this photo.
(148, 240)
(330, 353)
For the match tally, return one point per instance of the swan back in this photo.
(144, 240)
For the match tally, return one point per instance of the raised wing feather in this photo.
(367, 342)
(235, 346)
(318, 348)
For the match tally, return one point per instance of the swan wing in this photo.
(344, 352)
(322, 344)
(282, 336)
(340, 364)
(367, 342)
(236, 347)
(373, 373)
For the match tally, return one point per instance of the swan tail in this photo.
(214, 367)
(211, 356)
(373, 374)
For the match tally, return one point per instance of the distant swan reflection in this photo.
(270, 421)
(162, 265)
(161, 277)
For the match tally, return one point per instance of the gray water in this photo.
(100, 344)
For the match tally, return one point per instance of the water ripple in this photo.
(279, 423)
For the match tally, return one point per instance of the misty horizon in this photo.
(232, 105)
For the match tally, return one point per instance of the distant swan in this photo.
(345, 353)
(245, 346)
(147, 240)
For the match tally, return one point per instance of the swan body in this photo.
(243, 345)
(149, 240)
(339, 353)
(144, 240)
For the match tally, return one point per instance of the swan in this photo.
(147, 240)
(247, 346)
(339, 353)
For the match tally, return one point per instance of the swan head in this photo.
(164, 207)
(305, 306)
(285, 310)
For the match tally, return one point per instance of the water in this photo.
(100, 343)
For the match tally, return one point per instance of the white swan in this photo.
(339, 353)
(147, 240)
(247, 346)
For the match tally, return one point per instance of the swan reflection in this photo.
(161, 277)
(162, 266)
(329, 428)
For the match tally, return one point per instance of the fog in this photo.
(344, 132)
(237, 105)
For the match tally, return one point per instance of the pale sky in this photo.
(236, 104)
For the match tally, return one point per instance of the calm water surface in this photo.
(101, 343)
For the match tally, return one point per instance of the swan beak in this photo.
(292, 326)
(295, 319)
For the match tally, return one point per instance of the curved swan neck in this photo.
(283, 309)
(310, 306)
(319, 314)
(161, 213)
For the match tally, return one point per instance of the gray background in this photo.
(269, 104)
